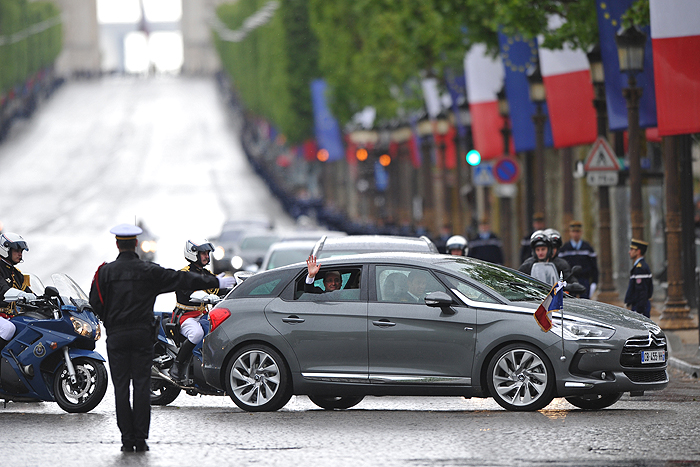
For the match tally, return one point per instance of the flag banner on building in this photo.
(381, 177)
(609, 14)
(326, 126)
(553, 302)
(414, 144)
(484, 76)
(573, 117)
(518, 55)
(675, 35)
(457, 87)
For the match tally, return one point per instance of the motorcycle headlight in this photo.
(219, 253)
(577, 330)
(236, 262)
(98, 332)
(81, 327)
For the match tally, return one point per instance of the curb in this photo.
(685, 367)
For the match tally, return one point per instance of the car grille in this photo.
(631, 356)
(655, 376)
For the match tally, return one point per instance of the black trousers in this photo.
(130, 358)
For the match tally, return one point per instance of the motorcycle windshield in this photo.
(67, 287)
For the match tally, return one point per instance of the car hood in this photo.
(605, 313)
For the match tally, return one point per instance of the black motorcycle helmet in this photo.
(554, 238)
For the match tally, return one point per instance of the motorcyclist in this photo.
(541, 247)
(456, 245)
(187, 313)
(12, 246)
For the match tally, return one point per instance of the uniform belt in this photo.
(190, 308)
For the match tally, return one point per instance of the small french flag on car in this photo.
(554, 301)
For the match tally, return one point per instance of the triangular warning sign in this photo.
(601, 157)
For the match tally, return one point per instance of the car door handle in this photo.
(383, 323)
(293, 319)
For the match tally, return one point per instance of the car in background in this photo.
(148, 243)
(424, 325)
(294, 247)
(232, 232)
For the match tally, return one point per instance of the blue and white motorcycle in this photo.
(52, 355)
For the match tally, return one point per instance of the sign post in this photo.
(601, 165)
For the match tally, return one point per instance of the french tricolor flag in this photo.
(554, 301)
(567, 80)
(675, 39)
(484, 76)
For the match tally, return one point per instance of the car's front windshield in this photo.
(513, 285)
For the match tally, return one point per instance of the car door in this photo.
(327, 331)
(412, 343)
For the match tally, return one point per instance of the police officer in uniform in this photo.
(578, 252)
(641, 287)
(11, 247)
(122, 294)
(187, 313)
(486, 246)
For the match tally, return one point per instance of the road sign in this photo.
(601, 157)
(482, 175)
(506, 170)
(602, 178)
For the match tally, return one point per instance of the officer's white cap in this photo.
(126, 231)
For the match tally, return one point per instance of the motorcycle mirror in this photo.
(51, 291)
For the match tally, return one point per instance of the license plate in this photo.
(653, 356)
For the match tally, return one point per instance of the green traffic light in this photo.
(473, 157)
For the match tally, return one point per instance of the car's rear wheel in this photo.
(520, 377)
(257, 379)
(594, 401)
(336, 402)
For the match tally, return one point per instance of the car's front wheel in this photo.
(520, 377)
(336, 402)
(257, 379)
(594, 401)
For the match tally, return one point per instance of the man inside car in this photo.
(331, 279)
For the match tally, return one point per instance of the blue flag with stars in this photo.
(609, 14)
(326, 126)
(518, 54)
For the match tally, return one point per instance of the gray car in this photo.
(423, 325)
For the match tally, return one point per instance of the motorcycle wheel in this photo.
(162, 392)
(336, 402)
(88, 390)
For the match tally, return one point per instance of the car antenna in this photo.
(563, 356)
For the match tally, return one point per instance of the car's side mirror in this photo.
(438, 299)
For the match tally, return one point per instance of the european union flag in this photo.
(609, 14)
(326, 126)
(518, 54)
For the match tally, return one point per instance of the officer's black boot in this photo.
(177, 372)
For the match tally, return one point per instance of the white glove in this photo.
(226, 282)
(593, 288)
(27, 295)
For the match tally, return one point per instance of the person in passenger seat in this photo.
(331, 279)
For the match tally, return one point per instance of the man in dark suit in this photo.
(331, 279)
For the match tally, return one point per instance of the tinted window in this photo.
(468, 290)
(349, 287)
(406, 285)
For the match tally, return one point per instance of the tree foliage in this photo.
(22, 53)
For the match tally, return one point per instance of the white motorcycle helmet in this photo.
(193, 247)
(456, 242)
(11, 241)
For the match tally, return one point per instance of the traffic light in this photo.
(473, 157)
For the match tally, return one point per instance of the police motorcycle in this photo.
(164, 388)
(52, 356)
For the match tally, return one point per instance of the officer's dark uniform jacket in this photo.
(585, 256)
(487, 249)
(185, 308)
(10, 277)
(640, 288)
(124, 291)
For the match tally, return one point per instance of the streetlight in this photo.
(607, 285)
(630, 49)
(506, 214)
(538, 95)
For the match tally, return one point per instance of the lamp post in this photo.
(538, 95)
(630, 49)
(505, 202)
(607, 291)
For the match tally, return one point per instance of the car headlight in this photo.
(576, 330)
(219, 253)
(236, 262)
(81, 327)
(149, 246)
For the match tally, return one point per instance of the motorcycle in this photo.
(52, 355)
(165, 389)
